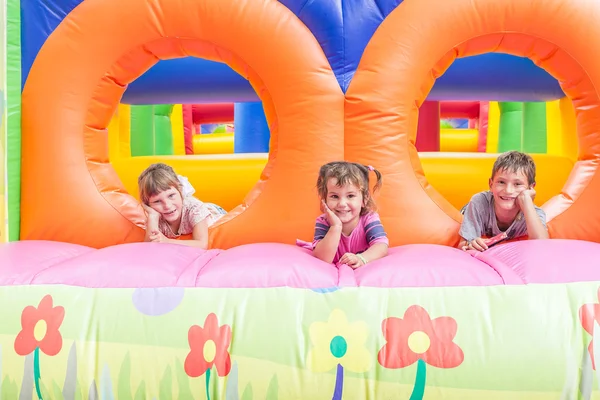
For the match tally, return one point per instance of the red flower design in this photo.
(417, 336)
(588, 313)
(39, 328)
(208, 347)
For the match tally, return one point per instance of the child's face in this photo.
(168, 204)
(506, 186)
(345, 201)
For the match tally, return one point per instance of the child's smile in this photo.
(346, 202)
(168, 204)
(506, 187)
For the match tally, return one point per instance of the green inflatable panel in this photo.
(510, 127)
(534, 127)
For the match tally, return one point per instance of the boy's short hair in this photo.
(514, 161)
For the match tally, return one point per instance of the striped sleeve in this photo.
(374, 230)
(321, 228)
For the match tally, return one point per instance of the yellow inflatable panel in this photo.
(570, 143)
(493, 128)
(177, 129)
(226, 179)
(461, 140)
(213, 143)
(457, 176)
(118, 133)
(221, 179)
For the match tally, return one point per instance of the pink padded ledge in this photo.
(268, 265)
(21, 261)
(547, 261)
(427, 265)
(272, 265)
(134, 265)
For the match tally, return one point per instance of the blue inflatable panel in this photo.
(39, 18)
(499, 77)
(252, 132)
(189, 81)
(342, 27)
(495, 76)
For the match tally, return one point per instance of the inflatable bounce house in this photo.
(94, 91)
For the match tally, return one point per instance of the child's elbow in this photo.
(385, 251)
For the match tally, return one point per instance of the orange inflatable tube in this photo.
(71, 193)
(415, 44)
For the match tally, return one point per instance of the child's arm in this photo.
(152, 218)
(377, 240)
(472, 224)
(535, 227)
(199, 237)
(327, 247)
(375, 252)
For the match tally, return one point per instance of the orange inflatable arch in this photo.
(71, 193)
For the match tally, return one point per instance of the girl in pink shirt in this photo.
(349, 232)
(171, 209)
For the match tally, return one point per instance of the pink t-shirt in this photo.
(192, 212)
(368, 232)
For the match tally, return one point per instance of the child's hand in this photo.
(476, 244)
(157, 237)
(333, 219)
(351, 260)
(151, 213)
(524, 195)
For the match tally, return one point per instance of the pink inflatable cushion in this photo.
(150, 265)
(547, 261)
(134, 265)
(268, 265)
(421, 265)
(21, 261)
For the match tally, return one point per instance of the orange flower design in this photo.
(588, 313)
(418, 337)
(208, 347)
(39, 328)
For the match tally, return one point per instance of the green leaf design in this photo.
(166, 385)
(78, 391)
(14, 387)
(45, 393)
(183, 380)
(273, 389)
(6, 391)
(248, 395)
(56, 392)
(140, 393)
(70, 386)
(124, 385)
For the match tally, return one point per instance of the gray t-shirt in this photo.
(480, 219)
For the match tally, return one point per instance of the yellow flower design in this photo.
(338, 342)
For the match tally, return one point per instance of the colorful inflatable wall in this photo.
(92, 312)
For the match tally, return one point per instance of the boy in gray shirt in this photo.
(507, 208)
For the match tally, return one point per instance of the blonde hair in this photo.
(156, 179)
(514, 161)
(350, 173)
